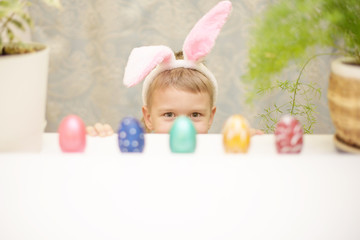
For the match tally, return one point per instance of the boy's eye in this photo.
(195, 115)
(169, 115)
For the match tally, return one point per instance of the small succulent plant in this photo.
(14, 17)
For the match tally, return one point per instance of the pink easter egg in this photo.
(289, 135)
(72, 134)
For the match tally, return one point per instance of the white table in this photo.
(105, 194)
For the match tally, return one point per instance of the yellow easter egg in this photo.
(236, 134)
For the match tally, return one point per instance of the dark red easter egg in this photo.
(72, 134)
(289, 135)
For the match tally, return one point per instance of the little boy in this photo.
(176, 84)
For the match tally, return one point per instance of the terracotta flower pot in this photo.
(344, 101)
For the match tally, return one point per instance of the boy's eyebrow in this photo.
(200, 109)
(165, 110)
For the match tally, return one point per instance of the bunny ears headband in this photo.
(145, 63)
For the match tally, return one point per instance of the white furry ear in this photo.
(143, 60)
(201, 38)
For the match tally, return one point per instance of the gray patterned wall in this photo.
(90, 42)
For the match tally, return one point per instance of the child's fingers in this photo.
(90, 130)
(100, 129)
(108, 130)
(256, 132)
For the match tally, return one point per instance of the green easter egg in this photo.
(183, 136)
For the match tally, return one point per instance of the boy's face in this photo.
(169, 103)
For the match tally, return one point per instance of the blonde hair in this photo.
(184, 79)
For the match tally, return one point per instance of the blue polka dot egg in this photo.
(131, 135)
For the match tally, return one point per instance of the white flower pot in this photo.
(344, 102)
(23, 88)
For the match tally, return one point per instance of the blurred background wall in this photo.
(90, 42)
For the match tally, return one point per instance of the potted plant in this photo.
(290, 31)
(23, 80)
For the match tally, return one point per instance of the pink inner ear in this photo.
(201, 38)
(143, 60)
